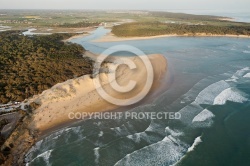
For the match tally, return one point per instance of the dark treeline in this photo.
(79, 24)
(30, 65)
(184, 16)
(158, 28)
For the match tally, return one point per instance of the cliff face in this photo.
(19, 142)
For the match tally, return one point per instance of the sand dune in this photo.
(80, 95)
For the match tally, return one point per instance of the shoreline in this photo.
(110, 37)
(162, 85)
(56, 103)
(227, 19)
(162, 82)
(76, 36)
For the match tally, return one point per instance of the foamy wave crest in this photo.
(136, 137)
(208, 94)
(203, 116)
(189, 112)
(121, 131)
(241, 72)
(100, 134)
(45, 156)
(166, 152)
(203, 119)
(196, 89)
(197, 141)
(232, 79)
(97, 155)
(246, 52)
(230, 94)
(49, 142)
(247, 75)
(173, 132)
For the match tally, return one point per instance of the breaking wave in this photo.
(230, 94)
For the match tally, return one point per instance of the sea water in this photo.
(210, 88)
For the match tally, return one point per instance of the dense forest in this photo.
(32, 64)
(158, 28)
(184, 16)
(79, 25)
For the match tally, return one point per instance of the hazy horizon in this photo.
(226, 5)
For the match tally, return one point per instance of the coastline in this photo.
(61, 99)
(110, 37)
(81, 32)
(70, 96)
(76, 36)
(228, 19)
(161, 85)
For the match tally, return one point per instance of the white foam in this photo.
(241, 72)
(56, 137)
(122, 130)
(247, 75)
(238, 75)
(232, 79)
(207, 95)
(166, 139)
(172, 132)
(76, 130)
(97, 155)
(150, 128)
(37, 146)
(44, 155)
(135, 137)
(165, 152)
(203, 116)
(246, 52)
(100, 134)
(173, 139)
(197, 141)
(229, 94)
(189, 112)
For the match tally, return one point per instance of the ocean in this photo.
(211, 90)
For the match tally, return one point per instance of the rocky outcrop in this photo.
(18, 143)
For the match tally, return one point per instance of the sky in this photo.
(234, 5)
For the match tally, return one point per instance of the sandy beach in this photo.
(76, 36)
(227, 19)
(110, 37)
(80, 32)
(80, 95)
